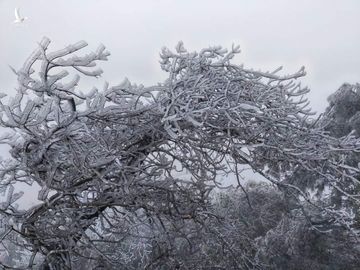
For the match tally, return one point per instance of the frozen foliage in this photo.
(107, 160)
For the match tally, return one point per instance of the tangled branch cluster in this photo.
(107, 162)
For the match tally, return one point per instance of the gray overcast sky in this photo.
(322, 35)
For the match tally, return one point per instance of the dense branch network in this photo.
(139, 163)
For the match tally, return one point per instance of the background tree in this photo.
(307, 237)
(229, 238)
(340, 119)
(107, 161)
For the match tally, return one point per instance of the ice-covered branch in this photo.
(141, 162)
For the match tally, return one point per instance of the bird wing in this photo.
(17, 15)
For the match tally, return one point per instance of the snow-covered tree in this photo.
(107, 161)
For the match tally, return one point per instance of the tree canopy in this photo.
(127, 174)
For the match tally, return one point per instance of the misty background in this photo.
(322, 35)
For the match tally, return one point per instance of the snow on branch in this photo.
(108, 161)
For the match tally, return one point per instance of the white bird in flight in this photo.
(18, 19)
